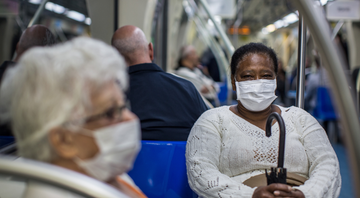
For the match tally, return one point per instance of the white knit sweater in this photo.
(223, 150)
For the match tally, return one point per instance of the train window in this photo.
(65, 18)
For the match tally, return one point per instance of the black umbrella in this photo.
(278, 174)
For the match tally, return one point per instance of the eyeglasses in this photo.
(114, 113)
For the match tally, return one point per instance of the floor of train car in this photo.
(347, 189)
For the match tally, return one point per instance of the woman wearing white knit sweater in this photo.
(228, 145)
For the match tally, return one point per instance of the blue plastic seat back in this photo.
(6, 140)
(222, 95)
(324, 109)
(160, 170)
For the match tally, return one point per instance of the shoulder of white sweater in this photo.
(296, 111)
(215, 112)
(224, 110)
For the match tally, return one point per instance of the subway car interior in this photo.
(318, 61)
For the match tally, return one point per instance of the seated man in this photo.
(67, 107)
(37, 35)
(167, 106)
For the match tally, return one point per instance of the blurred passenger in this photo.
(321, 107)
(167, 105)
(228, 146)
(37, 35)
(293, 78)
(67, 108)
(188, 69)
(209, 61)
(280, 83)
(312, 84)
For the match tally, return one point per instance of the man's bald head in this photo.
(36, 35)
(131, 42)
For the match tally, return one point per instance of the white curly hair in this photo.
(52, 85)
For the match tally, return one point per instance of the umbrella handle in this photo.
(281, 123)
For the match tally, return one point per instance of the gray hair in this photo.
(52, 85)
(186, 50)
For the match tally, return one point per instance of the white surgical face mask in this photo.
(256, 95)
(118, 145)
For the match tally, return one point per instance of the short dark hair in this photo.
(252, 48)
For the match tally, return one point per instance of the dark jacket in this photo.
(166, 105)
(5, 129)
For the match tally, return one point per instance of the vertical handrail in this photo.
(164, 29)
(237, 23)
(334, 63)
(116, 15)
(37, 13)
(300, 86)
(160, 24)
(358, 91)
(214, 46)
(216, 49)
(229, 47)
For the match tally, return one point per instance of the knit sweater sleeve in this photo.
(202, 161)
(324, 172)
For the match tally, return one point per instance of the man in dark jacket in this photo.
(166, 105)
(36, 35)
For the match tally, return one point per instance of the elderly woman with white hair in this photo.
(67, 107)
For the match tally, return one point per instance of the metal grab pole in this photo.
(345, 100)
(300, 87)
(37, 13)
(229, 47)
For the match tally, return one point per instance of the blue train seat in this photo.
(222, 95)
(6, 140)
(160, 170)
(324, 109)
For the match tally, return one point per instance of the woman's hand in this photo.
(277, 190)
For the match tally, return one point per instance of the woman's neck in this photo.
(187, 64)
(256, 118)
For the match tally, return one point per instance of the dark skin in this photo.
(255, 67)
